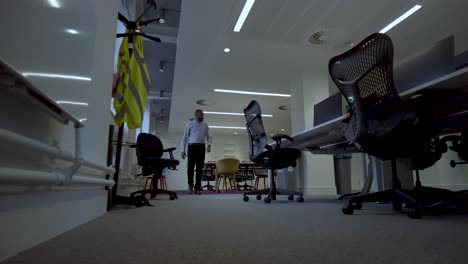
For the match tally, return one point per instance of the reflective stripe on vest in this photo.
(132, 90)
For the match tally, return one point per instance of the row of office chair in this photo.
(380, 124)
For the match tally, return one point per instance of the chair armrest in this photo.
(169, 150)
(278, 137)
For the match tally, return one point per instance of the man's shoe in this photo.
(197, 191)
(190, 190)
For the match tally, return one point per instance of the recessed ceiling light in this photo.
(227, 50)
(54, 3)
(226, 127)
(234, 114)
(53, 75)
(243, 15)
(72, 31)
(72, 103)
(282, 129)
(251, 93)
(235, 133)
(83, 119)
(401, 18)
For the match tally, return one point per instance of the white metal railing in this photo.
(12, 81)
(20, 176)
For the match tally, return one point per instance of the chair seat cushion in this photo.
(159, 162)
(284, 158)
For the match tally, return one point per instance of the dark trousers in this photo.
(196, 157)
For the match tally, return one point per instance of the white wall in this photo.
(30, 215)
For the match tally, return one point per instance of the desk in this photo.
(329, 137)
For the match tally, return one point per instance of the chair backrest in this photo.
(255, 130)
(148, 146)
(227, 166)
(364, 75)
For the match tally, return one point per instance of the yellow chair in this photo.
(226, 169)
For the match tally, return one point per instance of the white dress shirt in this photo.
(195, 133)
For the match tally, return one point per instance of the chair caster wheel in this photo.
(267, 200)
(246, 198)
(175, 197)
(291, 197)
(259, 197)
(300, 199)
(347, 209)
(357, 205)
(415, 213)
(172, 198)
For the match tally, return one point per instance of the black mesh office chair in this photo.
(149, 151)
(264, 155)
(382, 126)
(208, 176)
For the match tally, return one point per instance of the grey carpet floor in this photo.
(224, 229)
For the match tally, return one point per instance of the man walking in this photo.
(196, 134)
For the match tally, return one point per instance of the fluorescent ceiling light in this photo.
(71, 31)
(54, 3)
(52, 75)
(234, 114)
(401, 18)
(251, 93)
(72, 103)
(243, 15)
(226, 127)
(83, 119)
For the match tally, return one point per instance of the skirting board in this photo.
(317, 190)
(454, 187)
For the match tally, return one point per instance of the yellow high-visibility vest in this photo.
(134, 82)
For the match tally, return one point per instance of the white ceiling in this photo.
(272, 48)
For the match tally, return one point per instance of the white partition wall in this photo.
(39, 42)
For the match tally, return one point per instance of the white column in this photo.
(314, 173)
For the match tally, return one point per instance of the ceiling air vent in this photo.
(323, 37)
